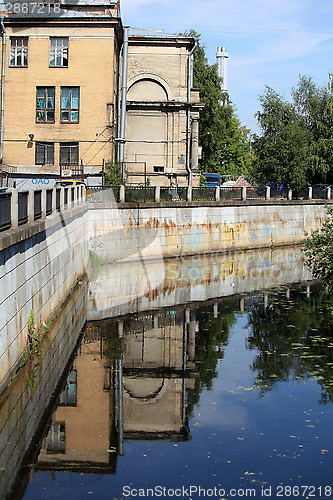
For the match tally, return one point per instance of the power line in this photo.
(242, 30)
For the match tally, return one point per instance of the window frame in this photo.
(46, 109)
(19, 51)
(70, 109)
(46, 149)
(70, 162)
(158, 169)
(59, 51)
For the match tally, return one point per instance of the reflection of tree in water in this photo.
(294, 338)
(111, 341)
(210, 340)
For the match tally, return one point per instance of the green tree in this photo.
(113, 174)
(225, 144)
(315, 105)
(295, 146)
(281, 151)
(319, 251)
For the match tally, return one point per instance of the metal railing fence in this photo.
(5, 211)
(37, 204)
(21, 207)
(139, 194)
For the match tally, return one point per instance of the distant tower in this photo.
(222, 67)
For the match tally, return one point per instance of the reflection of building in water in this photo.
(138, 394)
(81, 435)
(158, 363)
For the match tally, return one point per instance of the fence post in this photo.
(75, 196)
(157, 193)
(189, 193)
(268, 193)
(217, 193)
(31, 205)
(290, 194)
(310, 193)
(122, 193)
(243, 193)
(43, 203)
(328, 193)
(54, 200)
(13, 207)
(62, 199)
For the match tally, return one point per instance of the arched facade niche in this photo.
(147, 87)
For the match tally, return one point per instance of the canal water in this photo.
(226, 396)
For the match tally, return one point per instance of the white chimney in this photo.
(222, 67)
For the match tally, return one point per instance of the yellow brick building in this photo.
(79, 91)
(60, 84)
(162, 110)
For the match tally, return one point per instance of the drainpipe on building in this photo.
(188, 124)
(2, 99)
(122, 119)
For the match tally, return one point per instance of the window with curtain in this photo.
(58, 52)
(45, 104)
(19, 52)
(70, 104)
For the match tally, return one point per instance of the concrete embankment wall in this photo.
(41, 261)
(118, 289)
(24, 404)
(134, 232)
(39, 265)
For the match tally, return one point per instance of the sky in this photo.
(269, 42)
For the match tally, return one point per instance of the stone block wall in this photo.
(39, 266)
(34, 387)
(129, 232)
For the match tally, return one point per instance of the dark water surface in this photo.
(231, 398)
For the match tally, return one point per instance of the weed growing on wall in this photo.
(34, 337)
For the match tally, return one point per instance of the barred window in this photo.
(69, 154)
(58, 52)
(45, 105)
(70, 104)
(19, 52)
(44, 153)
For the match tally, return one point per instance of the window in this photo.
(59, 52)
(44, 154)
(158, 168)
(19, 52)
(69, 394)
(70, 103)
(45, 105)
(69, 154)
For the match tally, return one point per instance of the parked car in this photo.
(273, 185)
(212, 180)
(69, 182)
(73, 182)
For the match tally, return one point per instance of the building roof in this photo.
(158, 37)
(59, 9)
(150, 33)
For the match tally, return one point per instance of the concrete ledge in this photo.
(13, 236)
(221, 203)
